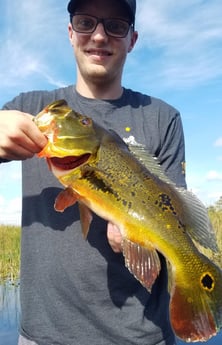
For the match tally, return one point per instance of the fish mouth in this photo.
(69, 162)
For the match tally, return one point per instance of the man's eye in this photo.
(116, 26)
(85, 23)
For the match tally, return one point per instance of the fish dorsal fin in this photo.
(149, 161)
(144, 264)
(85, 218)
(64, 199)
(199, 227)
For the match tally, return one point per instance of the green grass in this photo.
(10, 246)
(9, 252)
(216, 220)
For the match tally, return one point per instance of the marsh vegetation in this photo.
(10, 245)
(9, 253)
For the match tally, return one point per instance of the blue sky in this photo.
(178, 58)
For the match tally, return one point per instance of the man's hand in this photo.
(114, 238)
(20, 138)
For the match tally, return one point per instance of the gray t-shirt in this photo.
(79, 292)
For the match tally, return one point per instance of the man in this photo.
(75, 291)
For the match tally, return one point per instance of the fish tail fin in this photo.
(196, 305)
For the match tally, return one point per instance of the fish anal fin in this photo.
(143, 263)
(85, 218)
(64, 199)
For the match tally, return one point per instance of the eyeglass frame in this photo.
(101, 20)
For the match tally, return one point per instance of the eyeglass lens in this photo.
(87, 24)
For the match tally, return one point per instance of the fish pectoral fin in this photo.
(64, 199)
(85, 218)
(142, 262)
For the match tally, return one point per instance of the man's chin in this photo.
(98, 74)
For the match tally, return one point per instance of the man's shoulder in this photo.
(152, 108)
(35, 100)
(137, 98)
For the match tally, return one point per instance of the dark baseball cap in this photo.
(130, 4)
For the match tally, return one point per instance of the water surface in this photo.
(9, 314)
(9, 318)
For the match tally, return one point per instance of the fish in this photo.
(125, 185)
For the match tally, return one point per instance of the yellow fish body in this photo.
(126, 186)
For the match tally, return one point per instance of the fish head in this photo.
(72, 138)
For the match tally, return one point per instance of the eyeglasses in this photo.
(83, 23)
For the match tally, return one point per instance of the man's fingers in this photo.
(114, 238)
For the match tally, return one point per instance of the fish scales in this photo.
(108, 181)
(101, 173)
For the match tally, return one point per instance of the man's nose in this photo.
(100, 33)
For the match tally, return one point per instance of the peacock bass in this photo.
(126, 186)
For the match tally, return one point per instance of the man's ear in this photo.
(133, 40)
(70, 32)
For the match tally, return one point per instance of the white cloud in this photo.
(180, 43)
(10, 193)
(32, 37)
(10, 211)
(187, 37)
(218, 142)
(206, 185)
(208, 194)
(215, 195)
(10, 173)
(213, 175)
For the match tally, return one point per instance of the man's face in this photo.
(100, 58)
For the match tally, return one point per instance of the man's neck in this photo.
(99, 90)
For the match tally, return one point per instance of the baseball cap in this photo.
(131, 5)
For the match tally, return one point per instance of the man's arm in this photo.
(172, 152)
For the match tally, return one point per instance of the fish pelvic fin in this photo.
(143, 263)
(68, 197)
(196, 306)
(64, 199)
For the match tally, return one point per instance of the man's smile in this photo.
(98, 52)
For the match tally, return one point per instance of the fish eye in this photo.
(86, 121)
